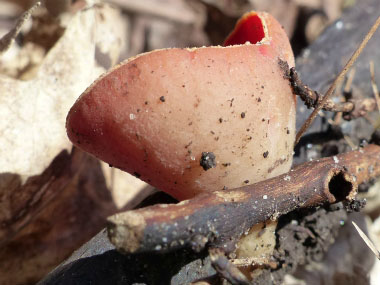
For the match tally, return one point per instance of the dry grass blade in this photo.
(261, 261)
(341, 75)
(367, 241)
(350, 78)
(373, 83)
(346, 89)
(350, 142)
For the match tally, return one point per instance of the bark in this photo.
(220, 217)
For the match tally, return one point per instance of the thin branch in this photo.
(353, 108)
(226, 269)
(341, 75)
(350, 142)
(7, 40)
(312, 98)
(220, 218)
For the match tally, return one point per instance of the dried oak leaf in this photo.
(33, 114)
(51, 199)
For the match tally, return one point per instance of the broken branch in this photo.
(219, 218)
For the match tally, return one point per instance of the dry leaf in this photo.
(51, 199)
(33, 114)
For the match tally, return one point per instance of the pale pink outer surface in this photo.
(121, 119)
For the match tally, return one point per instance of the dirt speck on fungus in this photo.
(277, 163)
(284, 66)
(162, 98)
(207, 160)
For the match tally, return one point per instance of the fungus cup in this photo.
(199, 119)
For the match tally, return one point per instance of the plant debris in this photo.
(208, 160)
(368, 242)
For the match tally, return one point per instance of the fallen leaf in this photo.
(53, 199)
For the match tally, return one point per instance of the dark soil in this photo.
(302, 237)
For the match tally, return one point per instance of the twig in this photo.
(7, 40)
(349, 142)
(361, 108)
(346, 91)
(373, 83)
(312, 98)
(367, 241)
(220, 218)
(352, 109)
(341, 75)
(226, 269)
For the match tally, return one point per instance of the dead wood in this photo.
(220, 217)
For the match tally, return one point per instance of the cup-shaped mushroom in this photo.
(193, 120)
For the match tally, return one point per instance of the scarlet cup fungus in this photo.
(157, 113)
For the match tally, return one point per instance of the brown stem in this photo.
(352, 108)
(219, 218)
(340, 76)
